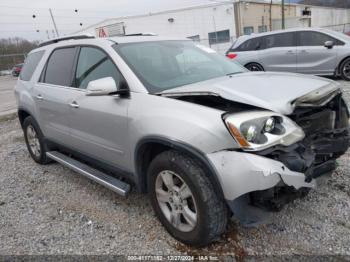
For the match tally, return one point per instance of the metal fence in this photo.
(344, 28)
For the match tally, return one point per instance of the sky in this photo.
(16, 16)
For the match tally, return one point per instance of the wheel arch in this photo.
(22, 115)
(149, 147)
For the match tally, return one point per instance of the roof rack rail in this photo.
(141, 34)
(72, 37)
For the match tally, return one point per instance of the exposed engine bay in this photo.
(327, 137)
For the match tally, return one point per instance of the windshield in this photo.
(163, 65)
(340, 35)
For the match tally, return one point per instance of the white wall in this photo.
(332, 18)
(187, 22)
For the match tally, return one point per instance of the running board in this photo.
(108, 181)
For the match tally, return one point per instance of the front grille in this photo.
(333, 115)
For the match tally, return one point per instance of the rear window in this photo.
(30, 65)
(59, 68)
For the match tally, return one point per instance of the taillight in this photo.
(231, 55)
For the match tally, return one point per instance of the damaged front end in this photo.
(275, 176)
(278, 163)
(327, 137)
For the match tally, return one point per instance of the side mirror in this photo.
(101, 87)
(123, 89)
(329, 44)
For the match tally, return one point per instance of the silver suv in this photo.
(201, 135)
(306, 50)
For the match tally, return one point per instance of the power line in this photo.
(60, 16)
(33, 23)
(55, 9)
(31, 31)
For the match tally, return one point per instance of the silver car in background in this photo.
(314, 51)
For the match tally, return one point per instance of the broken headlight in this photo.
(258, 130)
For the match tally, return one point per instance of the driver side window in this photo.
(309, 38)
(94, 64)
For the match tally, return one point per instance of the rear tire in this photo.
(254, 67)
(35, 141)
(195, 216)
(344, 69)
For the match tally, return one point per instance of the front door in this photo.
(312, 55)
(98, 123)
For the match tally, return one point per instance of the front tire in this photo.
(184, 199)
(35, 141)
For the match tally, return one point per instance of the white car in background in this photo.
(314, 51)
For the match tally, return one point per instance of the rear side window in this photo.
(59, 68)
(94, 64)
(250, 45)
(280, 40)
(309, 38)
(30, 65)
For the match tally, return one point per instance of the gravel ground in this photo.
(52, 210)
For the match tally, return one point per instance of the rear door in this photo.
(98, 123)
(52, 94)
(312, 55)
(278, 52)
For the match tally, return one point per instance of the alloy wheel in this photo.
(176, 201)
(33, 141)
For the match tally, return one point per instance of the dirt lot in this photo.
(52, 210)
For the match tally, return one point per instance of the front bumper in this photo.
(240, 173)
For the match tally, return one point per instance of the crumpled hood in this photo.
(278, 92)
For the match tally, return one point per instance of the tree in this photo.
(13, 51)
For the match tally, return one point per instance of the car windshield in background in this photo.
(340, 35)
(162, 65)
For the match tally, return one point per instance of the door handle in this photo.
(290, 52)
(303, 51)
(74, 104)
(39, 97)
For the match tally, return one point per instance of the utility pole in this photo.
(216, 33)
(54, 23)
(271, 15)
(283, 17)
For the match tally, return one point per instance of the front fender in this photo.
(199, 126)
